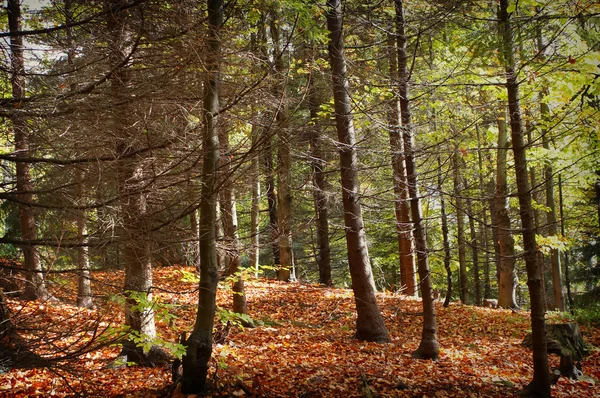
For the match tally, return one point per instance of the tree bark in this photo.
(135, 229)
(507, 280)
(233, 261)
(369, 324)
(255, 207)
(460, 228)
(199, 345)
(84, 287)
(408, 276)
(484, 225)
(319, 187)
(474, 252)
(284, 159)
(540, 385)
(428, 347)
(447, 256)
(557, 284)
(35, 288)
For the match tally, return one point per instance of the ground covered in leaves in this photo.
(302, 347)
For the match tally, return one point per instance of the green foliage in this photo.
(589, 315)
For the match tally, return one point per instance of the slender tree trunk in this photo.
(559, 298)
(233, 261)
(84, 288)
(284, 159)
(447, 256)
(536, 197)
(484, 226)
(507, 281)
(35, 288)
(408, 276)
(474, 252)
(540, 385)
(320, 187)
(195, 246)
(199, 345)
(428, 347)
(255, 207)
(369, 324)
(562, 232)
(460, 228)
(135, 229)
(271, 199)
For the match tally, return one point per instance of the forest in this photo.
(271, 198)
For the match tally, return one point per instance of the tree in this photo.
(429, 347)
(540, 385)
(319, 191)
(369, 323)
(284, 156)
(460, 227)
(507, 280)
(199, 344)
(408, 276)
(35, 287)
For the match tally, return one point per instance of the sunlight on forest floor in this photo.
(303, 346)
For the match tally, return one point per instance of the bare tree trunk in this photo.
(562, 232)
(284, 160)
(139, 315)
(507, 281)
(447, 257)
(557, 284)
(195, 246)
(408, 276)
(460, 228)
(540, 385)
(320, 187)
(271, 199)
(199, 345)
(35, 287)
(484, 226)
(255, 208)
(84, 288)
(369, 324)
(474, 252)
(428, 347)
(233, 261)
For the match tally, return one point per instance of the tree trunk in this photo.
(84, 288)
(35, 288)
(284, 159)
(559, 298)
(507, 281)
(139, 315)
(369, 324)
(540, 385)
(474, 252)
(484, 225)
(255, 208)
(408, 276)
(233, 261)
(195, 245)
(199, 345)
(271, 199)
(428, 347)
(562, 232)
(447, 257)
(319, 186)
(460, 228)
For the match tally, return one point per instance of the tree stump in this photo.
(563, 339)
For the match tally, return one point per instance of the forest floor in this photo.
(303, 346)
